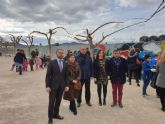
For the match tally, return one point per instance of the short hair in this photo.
(116, 51)
(156, 55)
(59, 50)
(147, 56)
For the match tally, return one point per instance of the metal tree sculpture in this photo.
(49, 35)
(29, 43)
(15, 40)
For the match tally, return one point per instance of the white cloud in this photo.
(60, 11)
(24, 16)
(137, 3)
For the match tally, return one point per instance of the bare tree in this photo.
(29, 43)
(1, 41)
(15, 40)
(89, 37)
(4, 44)
(160, 8)
(49, 35)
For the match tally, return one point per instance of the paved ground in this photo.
(23, 100)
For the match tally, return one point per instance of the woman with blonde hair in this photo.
(161, 79)
(132, 65)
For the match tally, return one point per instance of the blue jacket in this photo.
(87, 67)
(146, 67)
(153, 62)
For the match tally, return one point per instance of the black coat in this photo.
(117, 75)
(19, 58)
(132, 62)
(55, 78)
(96, 68)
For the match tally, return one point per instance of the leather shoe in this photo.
(89, 104)
(104, 102)
(58, 117)
(50, 121)
(163, 109)
(113, 105)
(75, 113)
(78, 105)
(100, 102)
(121, 105)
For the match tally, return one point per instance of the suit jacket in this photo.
(55, 78)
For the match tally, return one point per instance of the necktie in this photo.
(61, 65)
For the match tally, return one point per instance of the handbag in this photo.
(77, 86)
(66, 96)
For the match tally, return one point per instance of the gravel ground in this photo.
(23, 100)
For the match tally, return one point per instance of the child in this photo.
(31, 62)
(147, 74)
(154, 61)
(37, 62)
(15, 63)
(25, 65)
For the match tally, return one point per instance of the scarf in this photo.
(73, 69)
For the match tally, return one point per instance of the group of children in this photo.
(37, 62)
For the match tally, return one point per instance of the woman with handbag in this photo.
(100, 75)
(73, 75)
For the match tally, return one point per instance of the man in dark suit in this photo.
(56, 82)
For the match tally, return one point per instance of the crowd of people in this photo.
(22, 63)
(69, 74)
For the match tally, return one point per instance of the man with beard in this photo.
(56, 82)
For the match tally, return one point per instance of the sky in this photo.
(20, 17)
